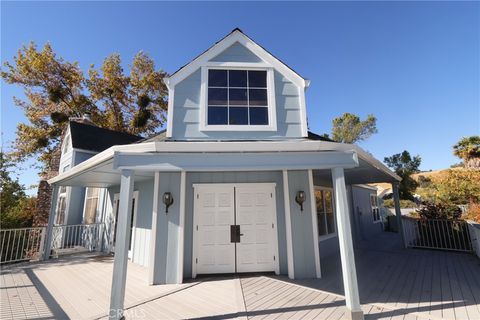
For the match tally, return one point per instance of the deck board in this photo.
(394, 284)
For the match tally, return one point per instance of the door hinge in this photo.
(273, 225)
(198, 195)
(197, 228)
(271, 195)
(273, 258)
(196, 260)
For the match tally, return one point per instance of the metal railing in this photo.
(21, 244)
(25, 244)
(77, 237)
(436, 234)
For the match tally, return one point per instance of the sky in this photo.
(414, 65)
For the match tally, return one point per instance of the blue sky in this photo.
(414, 65)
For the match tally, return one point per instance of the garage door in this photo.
(234, 228)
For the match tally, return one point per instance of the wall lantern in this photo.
(300, 199)
(167, 200)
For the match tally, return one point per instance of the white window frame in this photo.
(333, 234)
(272, 114)
(377, 207)
(97, 211)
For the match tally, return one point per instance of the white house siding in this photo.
(362, 213)
(186, 102)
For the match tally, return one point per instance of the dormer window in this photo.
(239, 99)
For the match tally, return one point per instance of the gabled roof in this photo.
(90, 137)
(236, 35)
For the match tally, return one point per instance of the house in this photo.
(235, 184)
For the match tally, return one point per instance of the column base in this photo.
(354, 315)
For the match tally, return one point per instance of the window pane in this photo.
(91, 210)
(237, 78)
(257, 79)
(330, 222)
(217, 96)
(238, 115)
(259, 115)
(217, 115)
(328, 201)
(258, 97)
(131, 224)
(238, 97)
(61, 210)
(322, 228)
(319, 200)
(217, 78)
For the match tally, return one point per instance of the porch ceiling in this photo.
(103, 169)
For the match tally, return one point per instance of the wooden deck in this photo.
(394, 283)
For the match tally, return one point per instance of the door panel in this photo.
(214, 214)
(255, 215)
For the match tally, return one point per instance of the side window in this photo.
(61, 205)
(325, 212)
(91, 205)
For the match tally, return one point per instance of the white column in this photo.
(119, 278)
(398, 212)
(346, 246)
(288, 225)
(313, 209)
(51, 219)
(153, 234)
(181, 226)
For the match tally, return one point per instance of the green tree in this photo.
(468, 149)
(404, 166)
(56, 89)
(16, 208)
(350, 129)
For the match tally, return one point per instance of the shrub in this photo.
(473, 212)
(389, 203)
(430, 210)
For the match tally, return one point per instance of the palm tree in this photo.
(468, 149)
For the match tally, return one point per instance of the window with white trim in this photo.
(375, 208)
(238, 98)
(91, 205)
(325, 211)
(61, 205)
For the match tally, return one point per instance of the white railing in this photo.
(77, 237)
(25, 244)
(21, 244)
(436, 234)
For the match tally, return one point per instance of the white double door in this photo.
(234, 228)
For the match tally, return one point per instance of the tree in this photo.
(350, 129)
(56, 90)
(16, 208)
(404, 166)
(468, 149)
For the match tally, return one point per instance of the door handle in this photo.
(235, 233)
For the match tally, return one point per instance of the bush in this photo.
(473, 212)
(389, 203)
(430, 210)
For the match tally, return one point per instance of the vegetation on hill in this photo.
(404, 165)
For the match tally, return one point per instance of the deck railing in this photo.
(436, 234)
(21, 244)
(77, 237)
(25, 244)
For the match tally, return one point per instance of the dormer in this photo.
(236, 90)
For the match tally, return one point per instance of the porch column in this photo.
(349, 272)
(398, 212)
(153, 235)
(119, 277)
(51, 219)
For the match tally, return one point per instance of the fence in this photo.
(25, 244)
(436, 234)
(21, 244)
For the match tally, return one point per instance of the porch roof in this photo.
(103, 169)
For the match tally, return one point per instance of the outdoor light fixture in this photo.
(300, 199)
(167, 200)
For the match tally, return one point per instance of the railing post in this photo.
(42, 243)
(51, 219)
